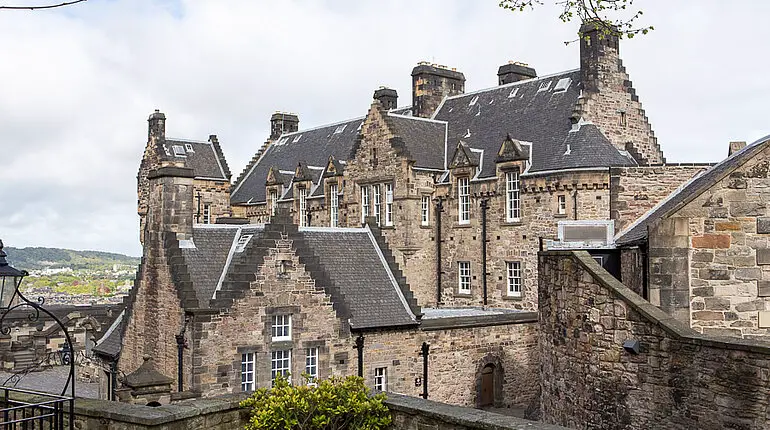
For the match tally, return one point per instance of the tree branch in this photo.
(50, 6)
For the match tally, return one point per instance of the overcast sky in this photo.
(78, 84)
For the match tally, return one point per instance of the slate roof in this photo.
(206, 158)
(209, 258)
(111, 342)
(424, 139)
(352, 260)
(482, 120)
(313, 147)
(637, 232)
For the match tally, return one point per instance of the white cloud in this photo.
(80, 82)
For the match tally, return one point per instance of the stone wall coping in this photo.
(154, 416)
(171, 171)
(478, 321)
(655, 315)
(463, 416)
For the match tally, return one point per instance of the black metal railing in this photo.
(32, 410)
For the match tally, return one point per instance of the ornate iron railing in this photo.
(32, 410)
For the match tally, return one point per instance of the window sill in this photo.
(463, 295)
(514, 298)
(387, 227)
(426, 227)
(560, 215)
(462, 225)
(512, 223)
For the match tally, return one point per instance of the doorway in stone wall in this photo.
(487, 386)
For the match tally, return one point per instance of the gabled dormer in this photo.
(464, 161)
(513, 159)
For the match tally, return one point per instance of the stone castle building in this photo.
(409, 237)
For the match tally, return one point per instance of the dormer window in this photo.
(512, 197)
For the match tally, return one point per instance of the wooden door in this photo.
(487, 386)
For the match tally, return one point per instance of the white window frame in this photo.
(364, 203)
(561, 204)
(377, 202)
(381, 378)
(302, 191)
(389, 204)
(280, 329)
(311, 365)
(425, 211)
(248, 364)
(512, 196)
(464, 277)
(334, 206)
(207, 213)
(514, 279)
(280, 362)
(273, 202)
(464, 200)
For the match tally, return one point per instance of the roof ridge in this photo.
(347, 121)
(417, 118)
(512, 84)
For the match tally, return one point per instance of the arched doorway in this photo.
(487, 389)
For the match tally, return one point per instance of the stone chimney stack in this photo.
(735, 147)
(599, 53)
(514, 72)
(170, 208)
(283, 122)
(430, 84)
(388, 97)
(157, 126)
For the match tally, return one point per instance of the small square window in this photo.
(381, 378)
(562, 204)
(281, 327)
(188, 147)
(178, 150)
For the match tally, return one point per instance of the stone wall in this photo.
(636, 190)
(214, 193)
(223, 413)
(673, 378)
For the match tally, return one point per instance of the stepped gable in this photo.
(357, 268)
(205, 158)
(637, 232)
(312, 147)
(206, 257)
(536, 111)
(424, 139)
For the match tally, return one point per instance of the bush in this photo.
(334, 404)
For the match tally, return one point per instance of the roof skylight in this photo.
(178, 150)
(473, 101)
(296, 139)
(340, 129)
(544, 86)
(562, 85)
(188, 147)
(513, 93)
(242, 242)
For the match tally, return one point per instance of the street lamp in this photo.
(10, 280)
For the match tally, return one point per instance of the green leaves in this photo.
(611, 16)
(334, 404)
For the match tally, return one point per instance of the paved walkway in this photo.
(51, 381)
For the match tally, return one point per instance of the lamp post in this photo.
(11, 298)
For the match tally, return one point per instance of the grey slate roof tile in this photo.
(482, 120)
(312, 147)
(424, 139)
(637, 232)
(203, 159)
(352, 262)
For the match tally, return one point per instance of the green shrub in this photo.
(334, 404)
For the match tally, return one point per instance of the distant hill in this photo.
(53, 258)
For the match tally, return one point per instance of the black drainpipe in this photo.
(484, 207)
(360, 349)
(425, 352)
(439, 209)
(180, 354)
